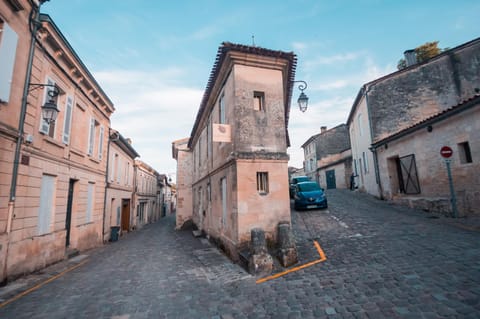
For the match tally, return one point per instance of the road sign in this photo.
(446, 151)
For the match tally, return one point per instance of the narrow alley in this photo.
(383, 261)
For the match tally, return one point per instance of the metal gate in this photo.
(407, 177)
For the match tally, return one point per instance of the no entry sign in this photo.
(446, 151)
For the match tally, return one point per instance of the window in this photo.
(8, 47)
(68, 120)
(127, 174)
(91, 136)
(114, 166)
(221, 103)
(464, 153)
(262, 183)
(200, 150)
(223, 187)
(45, 212)
(100, 143)
(47, 128)
(360, 127)
(365, 162)
(209, 193)
(259, 101)
(90, 192)
(312, 166)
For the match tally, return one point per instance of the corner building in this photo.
(238, 148)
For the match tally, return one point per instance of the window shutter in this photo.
(8, 47)
(47, 191)
(91, 137)
(68, 120)
(100, 143)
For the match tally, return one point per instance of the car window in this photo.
(308, 187)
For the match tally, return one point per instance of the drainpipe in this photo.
(372, 149)
(33, 20)
(34, 26)
(110, 139)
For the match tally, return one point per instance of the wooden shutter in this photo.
(8, 48)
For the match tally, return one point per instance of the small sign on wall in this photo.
(221, 133)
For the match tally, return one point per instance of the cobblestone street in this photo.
(383, 261)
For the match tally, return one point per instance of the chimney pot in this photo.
(410, 57)
(323, 129)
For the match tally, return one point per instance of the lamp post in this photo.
(49, 109)
(303, 98)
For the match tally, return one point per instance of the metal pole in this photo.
(453, 199)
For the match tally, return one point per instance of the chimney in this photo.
(323, 129)
(410, 57)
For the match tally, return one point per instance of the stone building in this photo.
(119, 203)
(398, 101)
(55, 171)
(238, 177)
(330, 157)
(147, 209)
(184, 157)
(14, 52)
(413, 172)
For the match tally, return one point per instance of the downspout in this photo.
(373, 149)
(33, 19)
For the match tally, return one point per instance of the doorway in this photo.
(125, 214)
(68, 218)
(331, 182)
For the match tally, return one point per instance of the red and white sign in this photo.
(446, 151)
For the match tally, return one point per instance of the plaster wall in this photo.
(431, 167)
(360, 139)
(257, 210)
(184, 186)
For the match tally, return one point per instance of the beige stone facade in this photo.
(119, 203)
(147, 209)
(239, 177)
(57, 190)
(183, 156)
(399, 101)
(413, 172)
(334, 170)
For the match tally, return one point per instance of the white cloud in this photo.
(152, 110)
(333, 59)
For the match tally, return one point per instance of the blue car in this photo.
(309, 195)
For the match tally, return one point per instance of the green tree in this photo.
(423, 52)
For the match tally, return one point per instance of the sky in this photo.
(153, 58)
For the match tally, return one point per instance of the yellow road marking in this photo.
(280, 274)
(20, 295)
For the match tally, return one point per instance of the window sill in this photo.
(77, 152)
(50, 140)
(96, 161)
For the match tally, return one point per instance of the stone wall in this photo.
(413, 94)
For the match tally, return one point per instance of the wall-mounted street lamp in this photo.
(49, 109)
(303, 98)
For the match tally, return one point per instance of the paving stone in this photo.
(390, 262)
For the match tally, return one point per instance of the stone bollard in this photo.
(260, 261)
(287, 251)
